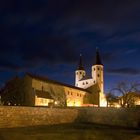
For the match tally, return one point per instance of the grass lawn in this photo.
(70, 132)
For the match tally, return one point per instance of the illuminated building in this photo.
(35, 90)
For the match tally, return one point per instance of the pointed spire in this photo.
(98, 59)
(80, 66)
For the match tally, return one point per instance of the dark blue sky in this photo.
(46, 37)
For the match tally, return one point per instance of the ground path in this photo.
(70, 132)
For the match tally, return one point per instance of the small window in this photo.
(68, 92)
(98, 69)
(80, 72)
(98, 75)
(77, 94)
(94, 82)
(94, 69)
(86, 82)
(83, 83)
(77, 73)
(71, 93)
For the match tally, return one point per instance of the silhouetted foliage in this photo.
(11, 93)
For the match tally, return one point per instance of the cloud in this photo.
(7, 65)
(35, 33)
(124, 71)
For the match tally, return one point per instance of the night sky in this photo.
(45, 37)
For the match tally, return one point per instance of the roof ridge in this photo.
(55, 82)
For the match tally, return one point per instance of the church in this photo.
(36, 90)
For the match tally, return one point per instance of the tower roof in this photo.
(80, 65)
(98, 58)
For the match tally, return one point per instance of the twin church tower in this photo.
(82, 80)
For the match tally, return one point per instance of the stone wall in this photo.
(126, 117)
(29, 116)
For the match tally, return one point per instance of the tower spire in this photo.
(98, 59)
(80, 66)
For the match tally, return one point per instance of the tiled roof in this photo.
(43, 94)
(86, 78)
(80, 66)
(43, 78)
(98, 59)
(93, 88)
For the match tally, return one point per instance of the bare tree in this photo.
(59, 97)
(111, 98)
(127, 93)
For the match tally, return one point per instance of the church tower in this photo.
(98, 72)
(80, 72)
(98, 77)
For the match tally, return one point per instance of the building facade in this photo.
(34, 90)
(82, 80)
